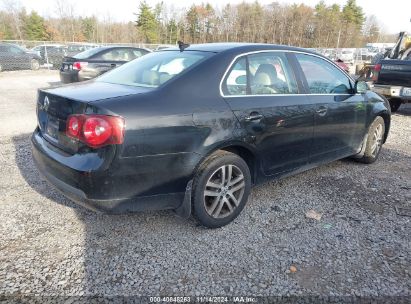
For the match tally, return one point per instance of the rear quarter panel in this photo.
(171, 129)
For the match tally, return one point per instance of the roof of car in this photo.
(240, 47)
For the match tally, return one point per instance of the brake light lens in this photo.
(78, 65)
(376, 72)
(96, 131)
(73, 126)
(377, 67)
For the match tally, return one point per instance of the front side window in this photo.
(267, 73)
(16, 50)
(154, 69)
(271, 74)
(323, 77)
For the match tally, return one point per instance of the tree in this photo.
(353, 19)
(147, 23)
(89, 27)
(353, 14)
(34, 27)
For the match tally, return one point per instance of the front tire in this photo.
(374, 142)
(34, 64)
(220, 189)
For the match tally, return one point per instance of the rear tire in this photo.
(220, 189)
(374, 142)
(395, 104)
(34, 64)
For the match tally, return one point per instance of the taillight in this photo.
(377, 67)
(73, 126)
(96, 130)
(78, 65)
(376, 72)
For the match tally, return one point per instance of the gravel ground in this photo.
(360, 247)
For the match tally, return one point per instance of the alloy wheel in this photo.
(35, 65)
(377, 140)
(224, 191)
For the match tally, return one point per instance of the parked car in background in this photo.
(74, 49)
(14, 57)
(164, 46)
(96, 61)
(343, 65)
(193, 128)
(330, 53)
(392, 73)
(51, 53)
(346, 55)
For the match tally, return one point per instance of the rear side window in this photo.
(267, 73)
(323, 77)
(236, 81)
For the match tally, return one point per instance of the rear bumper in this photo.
(80, 186)
(69, 76)
(403, 93)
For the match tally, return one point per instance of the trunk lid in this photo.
(52, 113)
(395, 72)
(67, 63)
(56, 104)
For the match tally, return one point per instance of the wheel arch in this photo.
(247, 153)
(387, 122)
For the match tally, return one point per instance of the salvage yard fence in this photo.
(27, 54)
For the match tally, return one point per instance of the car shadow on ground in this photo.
(109, 239)
(37, 182)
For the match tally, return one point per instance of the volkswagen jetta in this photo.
(194, 128)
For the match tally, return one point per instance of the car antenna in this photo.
(182, 46)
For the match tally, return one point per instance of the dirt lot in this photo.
(361, 246)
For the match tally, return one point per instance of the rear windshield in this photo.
(87, 54)
(154, 69)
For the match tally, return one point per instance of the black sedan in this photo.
(94, 62)
(193, 129)
(14, 57)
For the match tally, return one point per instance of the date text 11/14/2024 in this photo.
(202, 299)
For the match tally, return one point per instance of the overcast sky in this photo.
(394, 14)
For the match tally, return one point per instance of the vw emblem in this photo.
(46, 103)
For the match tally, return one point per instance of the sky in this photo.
(393, 18)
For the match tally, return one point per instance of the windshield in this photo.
(87, 54)
(154, 69)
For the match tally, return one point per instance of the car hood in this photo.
(90, 91)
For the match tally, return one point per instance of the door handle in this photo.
(253, 116)
(322, 111)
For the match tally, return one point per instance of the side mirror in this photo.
(361, 87)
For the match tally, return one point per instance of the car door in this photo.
(339, 123)
(263, 93)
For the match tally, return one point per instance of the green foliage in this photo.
(89, 26)
(353, 14)
(34, 27)
(147, 23)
